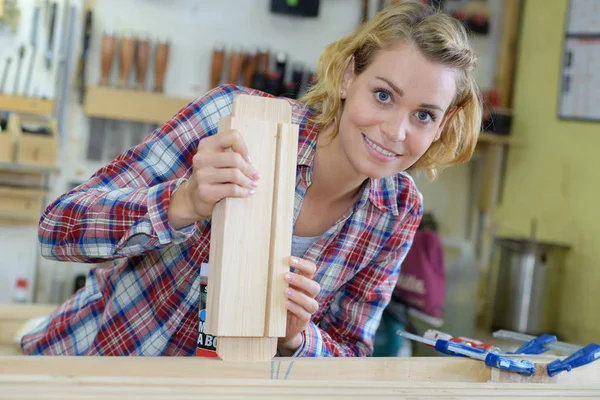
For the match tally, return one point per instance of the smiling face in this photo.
(394, 110)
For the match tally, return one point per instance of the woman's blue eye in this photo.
(383, 97)
(423, 116)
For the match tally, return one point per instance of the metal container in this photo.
(528, 285)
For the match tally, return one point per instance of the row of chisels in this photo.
(134, 54)
(260, 69)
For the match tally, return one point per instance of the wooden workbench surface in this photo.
(380, 378)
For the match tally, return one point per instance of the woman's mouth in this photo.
(379, 152)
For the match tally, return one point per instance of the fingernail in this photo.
(253, 184)
(249, 159)
(288, 277)
(255, 175)
(294, 261)
(289, 292)
(251, 192)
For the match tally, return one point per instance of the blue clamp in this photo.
(494, 360)
(523, 367)
(535, 346)
(586, 355)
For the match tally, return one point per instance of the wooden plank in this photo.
(13, 316)
(239, 247)
(49, 387)
(131, 105)
(401, 369)
(316, 378)
(26, 105)
(236, 349)
(281, 228)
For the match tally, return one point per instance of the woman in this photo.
(397, 95)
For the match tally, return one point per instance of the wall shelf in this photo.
(131, 105)
(492, 138)
(26, 105)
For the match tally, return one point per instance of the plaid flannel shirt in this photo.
(147, 302)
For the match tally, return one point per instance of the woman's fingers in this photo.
(217, 192)
(300, 299)
(228, 175)
(304, 267)
(304, 284)
(232, 139)
(227, 159)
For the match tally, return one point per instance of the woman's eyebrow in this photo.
(400, 92)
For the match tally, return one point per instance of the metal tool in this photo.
(51, 30)
(494, 360)
(19, 65)
(33, 41)
(540, 344)
(533, 342)
(5, 74)
(87, 35)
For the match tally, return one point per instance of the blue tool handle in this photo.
(525, 368)
(586, 355)
(445, 346)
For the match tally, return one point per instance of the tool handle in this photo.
(161, 60)
(108, 51)
(459, 349)
(525, 368)
(586, 355)
(126, 60)
(141, 63)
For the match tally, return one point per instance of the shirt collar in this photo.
(382, 193)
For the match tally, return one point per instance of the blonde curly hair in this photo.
(441, 39)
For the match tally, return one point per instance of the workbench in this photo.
(314, 378)
(35, 377)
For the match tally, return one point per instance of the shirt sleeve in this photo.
(348, 329)
(122, 209)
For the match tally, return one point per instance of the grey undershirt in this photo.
(300, 244)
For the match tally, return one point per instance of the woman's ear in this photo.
(446, 118)
(348, 76)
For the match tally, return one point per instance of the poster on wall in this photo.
(580, 71)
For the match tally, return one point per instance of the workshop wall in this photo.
(193, 28)
(552, 171)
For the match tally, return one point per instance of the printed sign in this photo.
(207, 344)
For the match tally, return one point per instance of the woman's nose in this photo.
(396, 128)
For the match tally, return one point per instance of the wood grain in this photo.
(315, 378)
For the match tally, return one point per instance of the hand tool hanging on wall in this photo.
(107, 57)
(18, 70)
(33, 42)
(127, 54)
(217, 62)
(87, 36)
(262, 69)
(5, 74)
(249, 69)
(142, 58)
(51, 30)
(161, 61)
(66, 57)
(236, 59)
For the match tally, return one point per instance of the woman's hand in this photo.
(221, 168)
(301, 304)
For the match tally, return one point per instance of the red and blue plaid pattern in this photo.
(147, 303)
